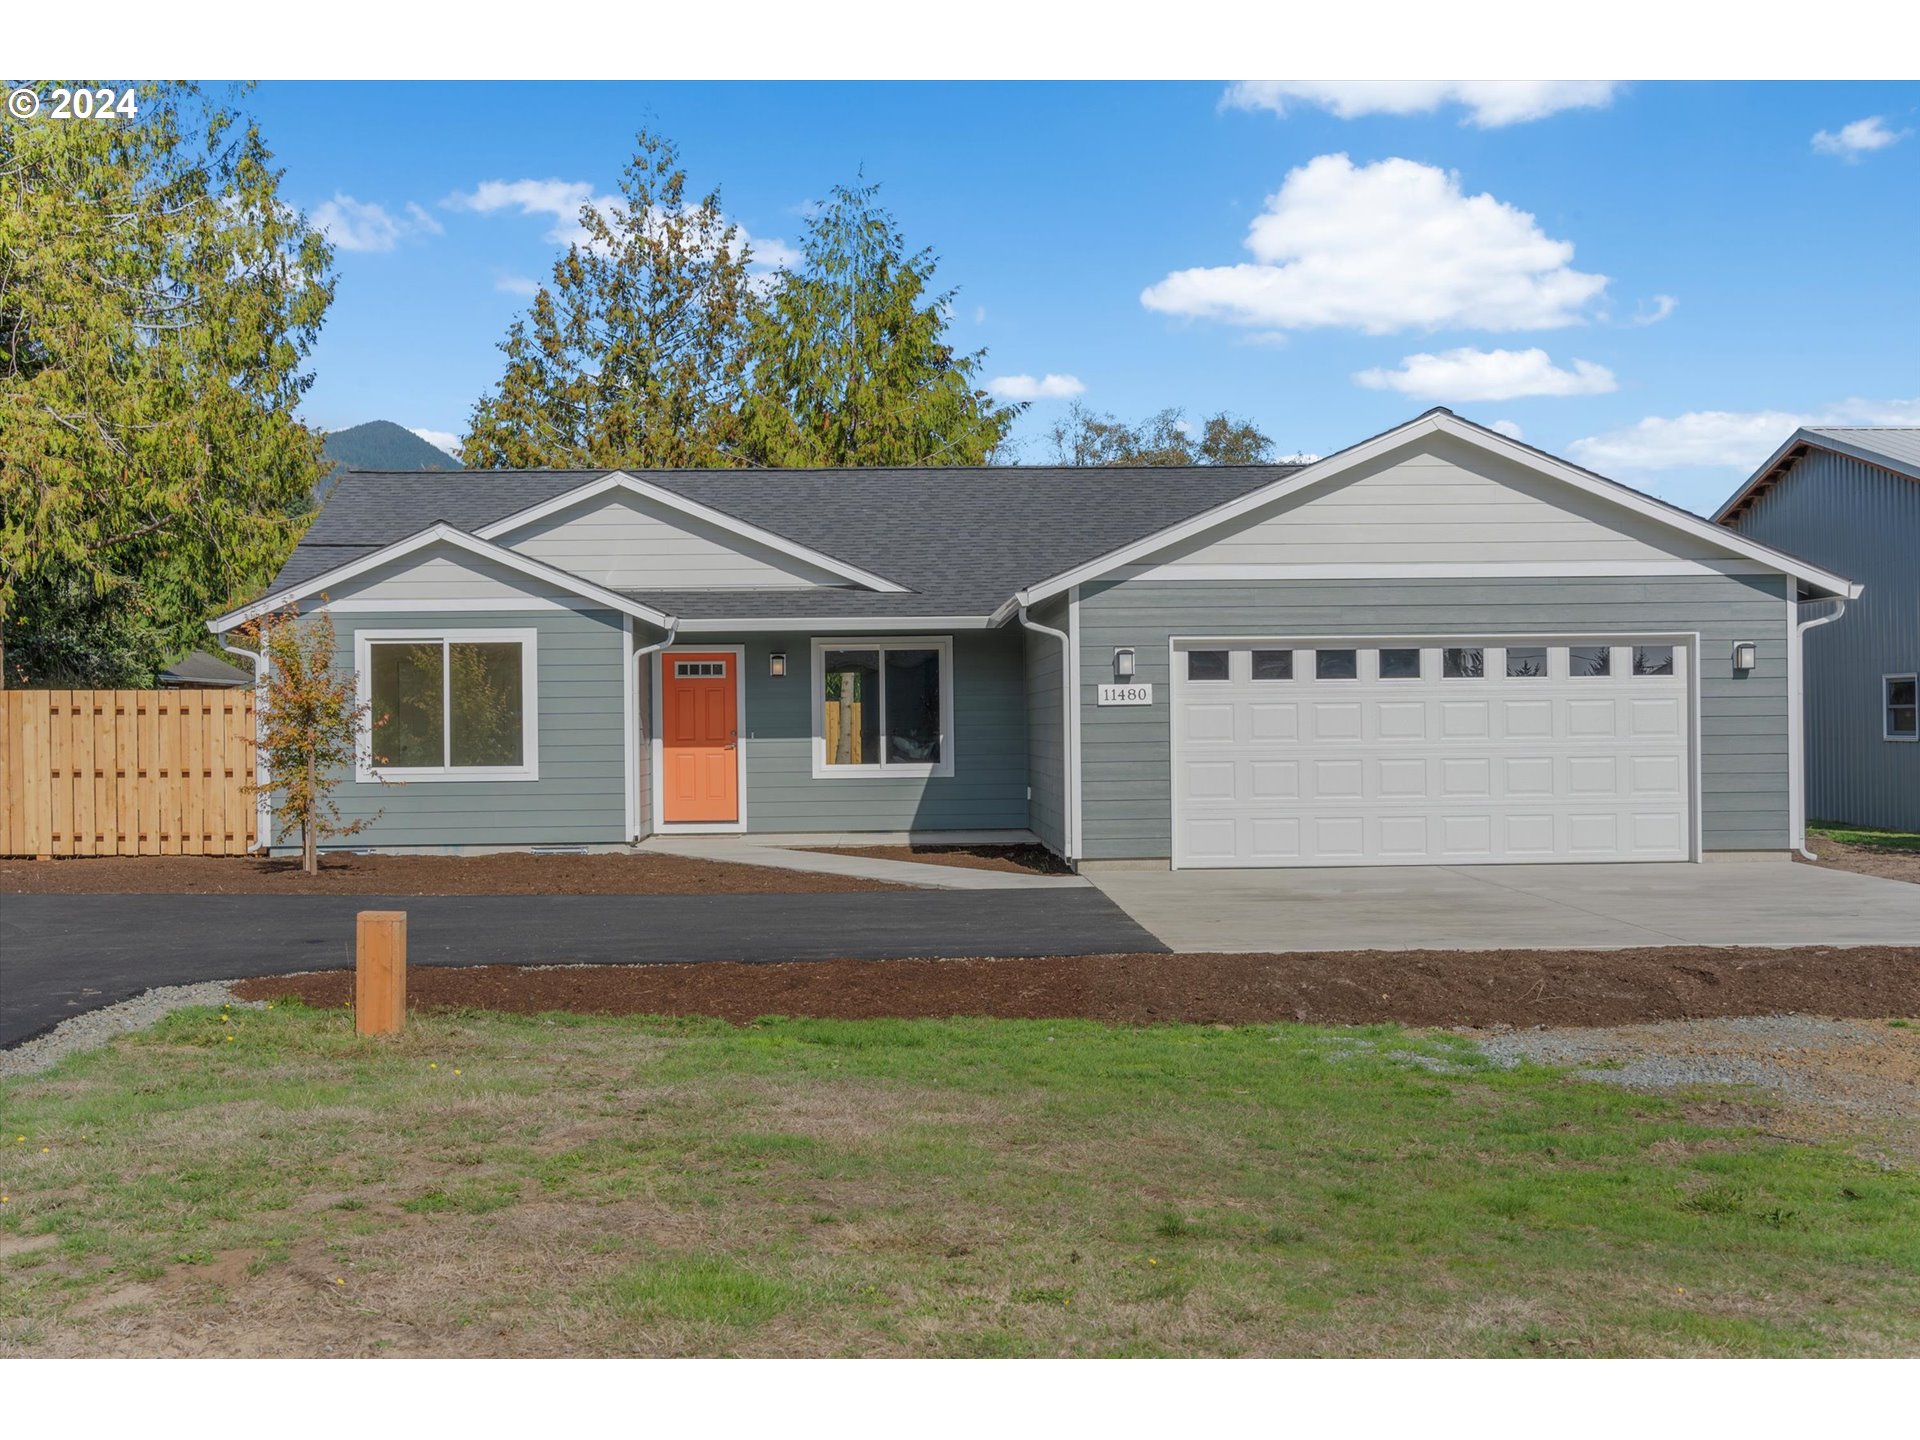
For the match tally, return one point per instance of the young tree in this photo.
(157, 302)
(852, 364)
(635, 354)
(311, 729)
(1082, 437)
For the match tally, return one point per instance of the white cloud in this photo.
(1859, 139)
(563, 201)
(516, 285)
(1025, 387)
(1725, 439)
(1469, 374)
(979, 314)
(1390, 246)
(367, 225)
(1508, 429)
(1488, 103)
(1663, 306)
(440, 440)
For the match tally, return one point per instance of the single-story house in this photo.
(1848, 497)
(1438, 646)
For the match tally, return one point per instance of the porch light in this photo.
(777, 664)
(1746, 654)
(1123, 664)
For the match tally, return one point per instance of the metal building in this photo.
(1848, 497)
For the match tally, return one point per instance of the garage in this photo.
(1424, 751)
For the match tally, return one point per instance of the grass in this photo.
(1865, 835)
(596, 1186)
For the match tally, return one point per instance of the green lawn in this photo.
(506, 1185)
(1865, 835)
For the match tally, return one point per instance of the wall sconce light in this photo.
(1123, 664)
(777, 664)
(1746, 654)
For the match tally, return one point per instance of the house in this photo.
(1437, 646)
(198, 670)
(1848, 497)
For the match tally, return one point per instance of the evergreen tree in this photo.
(157, 302)
(851, 360)
(635, 354)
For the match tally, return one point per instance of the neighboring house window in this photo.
(1902, 707)
(883, 707)
(458, 705)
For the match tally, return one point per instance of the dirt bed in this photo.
(1019, 859)
(1435, 988)
(1884, 861)
(512, 874)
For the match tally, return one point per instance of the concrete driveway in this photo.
(1535, 907)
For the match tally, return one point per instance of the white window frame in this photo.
(899, 770)
(366, 772)
(1886, 708)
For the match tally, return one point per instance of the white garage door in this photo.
(1465, 752)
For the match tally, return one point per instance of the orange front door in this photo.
(699, 733)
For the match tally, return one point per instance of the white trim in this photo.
(619, 480)
(658, 676)
(1431, 423)
(866, 624)
(366, 772)
(1373, 640)
(1886, 706)
(365, 606)
(439, 533)
(882, 770)
(1505, 569)
(629, 742)
(1075, 815)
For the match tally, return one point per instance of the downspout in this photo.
(262, 797)
(639, 658)
(1796, 716)
(1069, 777)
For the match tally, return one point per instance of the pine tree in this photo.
(852, 364)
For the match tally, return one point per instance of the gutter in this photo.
(1796, 712)
(1070, 772)
(635, 660)
(262, 798)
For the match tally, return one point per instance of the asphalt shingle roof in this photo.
(961, 540)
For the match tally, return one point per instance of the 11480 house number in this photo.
(1128, 694)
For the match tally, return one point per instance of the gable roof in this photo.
(1891, 447)
(1435, 421)
(438, 533)
(959, 540)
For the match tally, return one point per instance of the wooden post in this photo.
(380, 972)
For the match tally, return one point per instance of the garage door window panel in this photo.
(1526, 662)
(1336, 664)
(1207, 665)
(1273, 664)
(1589, 662)
(1463, 663)
(1399, 664)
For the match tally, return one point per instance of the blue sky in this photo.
(1658, 280)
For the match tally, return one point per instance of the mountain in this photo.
(379, 445)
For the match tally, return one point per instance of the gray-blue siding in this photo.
(1126, 773)
(1046, 725)
(1862, 522)
(578, 798)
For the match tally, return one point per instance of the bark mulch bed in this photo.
(1418, 987)
(512, 874)
(1021, 859)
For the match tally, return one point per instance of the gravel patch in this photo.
(96, 1027)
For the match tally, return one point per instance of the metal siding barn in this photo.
(1858, 513)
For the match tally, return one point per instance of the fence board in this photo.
(126, 772)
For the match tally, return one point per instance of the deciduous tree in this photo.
(1083, 437)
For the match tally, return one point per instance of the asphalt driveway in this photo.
(1516, 907)
(61, 955)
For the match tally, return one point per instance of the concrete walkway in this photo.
(739, 851)
(1544, 907)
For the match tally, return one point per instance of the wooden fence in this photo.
(126, 772)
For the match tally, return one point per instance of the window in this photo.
(1589, 660)
(883, 706)
(1653, 659)
(699, 669)
(1399, 664)
(1902, 696)
(1206, 665)
(1336, 664)
(455, 706)
(1463, 663)
(1273, 664)
(1526, 662)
